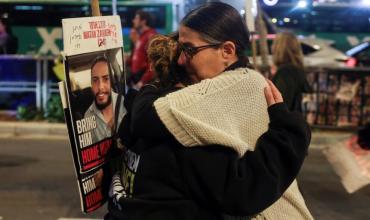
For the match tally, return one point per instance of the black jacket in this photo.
(292, 83)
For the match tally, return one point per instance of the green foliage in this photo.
(54, 109)
(28, 113)
(53, 112)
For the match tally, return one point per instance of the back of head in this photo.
(145, 16)
(286, 49)
(217, 22)
(163, 54)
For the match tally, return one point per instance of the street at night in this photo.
(39, 182)
(90, 87)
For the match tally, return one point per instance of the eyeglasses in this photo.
(190, 51)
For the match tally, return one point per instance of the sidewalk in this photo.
(326, 138)
(33, 129)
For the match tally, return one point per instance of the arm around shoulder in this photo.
(268, 171)
(248, 185)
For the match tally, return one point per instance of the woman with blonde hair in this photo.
(290, 77)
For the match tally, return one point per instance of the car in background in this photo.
(317, 53)
(321, 53)
(359, 55)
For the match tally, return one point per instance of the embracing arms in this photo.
(218, 179)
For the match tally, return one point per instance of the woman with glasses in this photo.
(162, 179)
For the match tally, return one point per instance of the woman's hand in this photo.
(272, 94)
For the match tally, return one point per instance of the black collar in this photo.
(237, 64)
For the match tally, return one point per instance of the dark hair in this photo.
(217, 22)
(145, 16)
(100, 58)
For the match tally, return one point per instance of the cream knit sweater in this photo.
(229, 110)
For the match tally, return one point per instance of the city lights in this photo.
(366, 2)
(302, 4)
(270, 2)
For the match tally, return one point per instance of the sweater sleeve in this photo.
(248, 185)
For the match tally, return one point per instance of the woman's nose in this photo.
(182, 59)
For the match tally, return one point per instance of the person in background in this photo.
(289, 77)
(134, 36)
(140, 72)
(8, 42)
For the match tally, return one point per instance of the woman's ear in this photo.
(228, 50)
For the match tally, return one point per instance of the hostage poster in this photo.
(94, 89)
